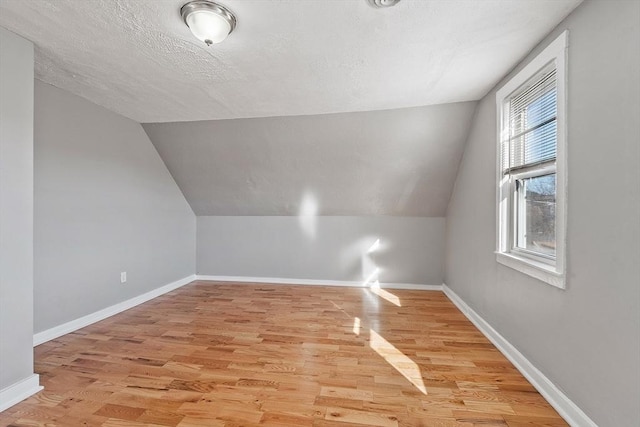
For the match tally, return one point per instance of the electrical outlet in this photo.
(123, 277)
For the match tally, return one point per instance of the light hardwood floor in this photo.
(220, 354)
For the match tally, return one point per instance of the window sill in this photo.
(538, 270)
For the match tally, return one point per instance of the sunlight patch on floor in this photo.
(403, 364)
(356, 325)
(377, 290)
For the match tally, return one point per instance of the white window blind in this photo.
(531, 113)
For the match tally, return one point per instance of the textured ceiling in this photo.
(303, 109)
(395, 162)
(286, 57)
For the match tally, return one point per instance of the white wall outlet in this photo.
(123, 277)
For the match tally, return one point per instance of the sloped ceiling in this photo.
(309, 107)
(394, 162)
(286, 57)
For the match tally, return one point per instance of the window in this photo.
(531, 167)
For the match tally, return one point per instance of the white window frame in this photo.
(546, 269)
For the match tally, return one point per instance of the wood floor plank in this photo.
(224, 354)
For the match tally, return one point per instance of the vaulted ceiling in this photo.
(319, 92)
(393, 162)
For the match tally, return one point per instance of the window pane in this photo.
(536, 146)
(540, 144)
(541, 109)
(532, 128)
(537, 219)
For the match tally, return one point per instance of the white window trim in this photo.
(553, 274)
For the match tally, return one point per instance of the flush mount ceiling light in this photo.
(208, 21)
(383, 3)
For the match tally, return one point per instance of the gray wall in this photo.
(373, 163)
(322, 247)
(16, 208)
(586, 339)
(104, 203)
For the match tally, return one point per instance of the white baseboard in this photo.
(74, 325)
(561, 403)
(314, 282)
(19, 391)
